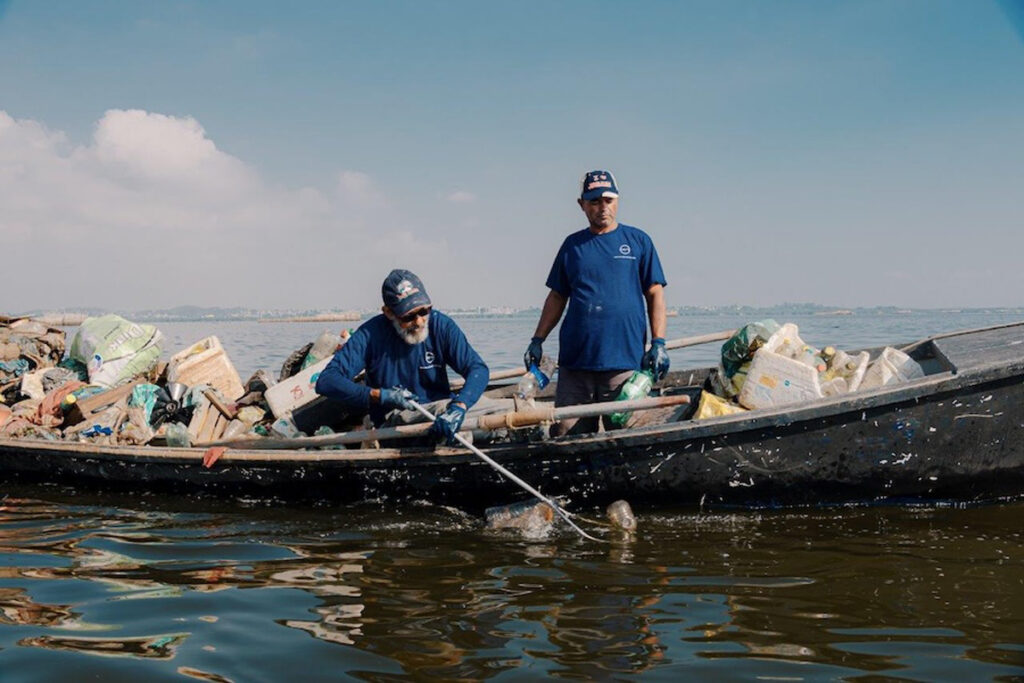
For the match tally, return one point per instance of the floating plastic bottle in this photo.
(535, 379)
(637, 386)
(620, 514)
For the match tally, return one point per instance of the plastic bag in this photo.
(115, 350)
(740, 347)
(713, 406)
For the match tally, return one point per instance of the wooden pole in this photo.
(700, 339)
(487, 422)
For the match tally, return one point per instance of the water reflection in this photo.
(149, 647)
(229, 594)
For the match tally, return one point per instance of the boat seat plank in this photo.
(998, 346)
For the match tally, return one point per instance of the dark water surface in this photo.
(166, 589)
(156, 588)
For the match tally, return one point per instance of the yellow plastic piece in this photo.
(715, 406)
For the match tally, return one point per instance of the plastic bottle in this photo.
(284, 426)
(637, 386)
(177, 435)
(535, 379)
(324, 347)
(620, 514)
(810, 356)
(67, 402)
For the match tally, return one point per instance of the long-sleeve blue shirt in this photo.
(389, 362)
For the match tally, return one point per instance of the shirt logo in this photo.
(429, 357)
(624, 250)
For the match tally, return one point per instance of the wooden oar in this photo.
(680, 343)
(700, 339)
(488, 422)
(499, 375)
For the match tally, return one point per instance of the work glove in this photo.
(533, 353)
(447, 424)
(397, 398)
(656, 359)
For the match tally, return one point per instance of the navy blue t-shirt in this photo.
(389, 362)
(605, 278)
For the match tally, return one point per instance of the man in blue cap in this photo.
(405, 352)
(606, 273)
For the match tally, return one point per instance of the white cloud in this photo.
(358, 189)
(150, 213)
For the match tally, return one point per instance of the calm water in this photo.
(158, 588)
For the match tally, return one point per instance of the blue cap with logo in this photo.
(403, 292)
(595, 184)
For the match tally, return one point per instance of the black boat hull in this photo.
(955, 435)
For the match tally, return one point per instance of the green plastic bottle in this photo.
(637, 386)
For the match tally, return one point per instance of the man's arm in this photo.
(464, 359)
(655, 297)
(554, 306)
(336, 379)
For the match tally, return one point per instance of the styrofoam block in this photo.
(775, 380)
(298, 390)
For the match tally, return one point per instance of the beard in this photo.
(408, 336)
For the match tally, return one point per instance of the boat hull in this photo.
(953, 436)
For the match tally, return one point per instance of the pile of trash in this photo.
(113, 388)
(767, 365)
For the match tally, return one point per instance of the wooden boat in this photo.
(957, 434)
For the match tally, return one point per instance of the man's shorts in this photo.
(579, 387)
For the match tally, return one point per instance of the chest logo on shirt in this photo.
(429, 357)
(626, 252)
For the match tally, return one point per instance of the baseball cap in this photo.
(403, 292)
(596, 184)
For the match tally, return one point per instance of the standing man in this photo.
(606, 274)
(406, 351)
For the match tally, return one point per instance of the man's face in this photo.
(411, 327)
(601, 212)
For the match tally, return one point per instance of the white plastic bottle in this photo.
(324, 347)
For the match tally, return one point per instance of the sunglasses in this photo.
(419, 313)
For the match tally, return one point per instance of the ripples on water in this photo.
(89, 587)
(157, 588)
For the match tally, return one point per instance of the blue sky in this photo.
(264, 155)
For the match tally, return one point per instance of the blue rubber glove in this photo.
(447, 424)
(533, 353)
(397, 399)
(656, 359)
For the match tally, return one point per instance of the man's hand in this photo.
(533, 353)
(397, 398)
(448, 423)
(656, 359)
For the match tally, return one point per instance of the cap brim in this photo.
(411, 303)
(597, 194)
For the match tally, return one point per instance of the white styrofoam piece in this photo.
(775, 380)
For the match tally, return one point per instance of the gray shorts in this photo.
(579, 387)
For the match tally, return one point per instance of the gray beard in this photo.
(411, 338)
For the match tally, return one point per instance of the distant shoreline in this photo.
(320, 318)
